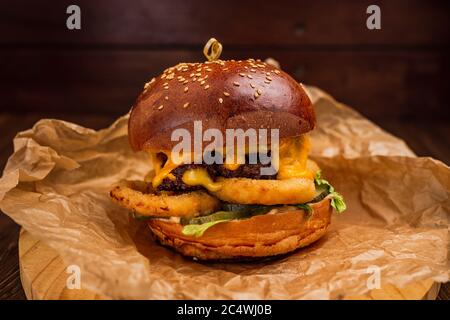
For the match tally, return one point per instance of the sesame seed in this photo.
(165, 84)
(249, 76)
(198, 74)
(252, 85)
(160, 107)
(256, 94)
(259, 91)
(186, 89)
(220, 100)
(166, 88)
(252, 70)
(277, 71)
(166, 97)
(186, 105)
(191, 75)
(203, 82)
(207, 86)
(185, 81)
(268, 73)
(267, 81)
(195, 79)
(226, 94)
(242, 74)
(236, 84)
(268, 78)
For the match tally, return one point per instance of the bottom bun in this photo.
(257, 237)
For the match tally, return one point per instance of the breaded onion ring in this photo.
(268, 192)
(139, 197)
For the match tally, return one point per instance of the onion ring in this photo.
(268, 192)
(140, 197)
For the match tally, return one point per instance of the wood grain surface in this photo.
(235, 22)
(392, 72)
(426, 139)
(380, 84)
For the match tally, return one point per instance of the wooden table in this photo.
(426, 139)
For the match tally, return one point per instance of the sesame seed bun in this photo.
(223, 95)
(260, 236)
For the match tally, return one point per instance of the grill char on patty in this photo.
(251, 171)
(178, 184)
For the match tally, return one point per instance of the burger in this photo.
(231, 209)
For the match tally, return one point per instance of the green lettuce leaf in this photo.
(197, 230)
(337, 200)
(305, 207)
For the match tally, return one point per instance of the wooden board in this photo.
(43, 275)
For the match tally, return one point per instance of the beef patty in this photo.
(250, 171)
(177, 184)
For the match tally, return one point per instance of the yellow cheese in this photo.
(293, 157)
(231, 166)
(292, 164)
(162, 172)
(200, 177)
(248, 149)
(193, 177)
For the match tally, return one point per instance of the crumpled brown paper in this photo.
(57, 181)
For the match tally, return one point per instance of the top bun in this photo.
(223, 95)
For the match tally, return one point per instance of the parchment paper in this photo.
(56, 186)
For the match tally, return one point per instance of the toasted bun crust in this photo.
(222, 94)
(260, 236)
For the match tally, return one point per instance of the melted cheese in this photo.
(193, 177)
(292, 164)
(231, 166)
(162, 172)
(200, 177)
(293, 157)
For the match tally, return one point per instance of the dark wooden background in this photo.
(398, 76)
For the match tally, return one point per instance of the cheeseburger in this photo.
(239, 206)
